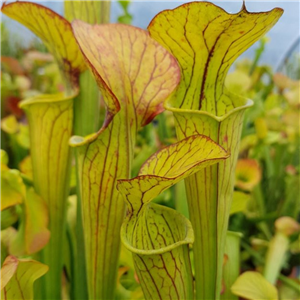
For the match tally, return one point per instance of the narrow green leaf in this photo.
(231, 268)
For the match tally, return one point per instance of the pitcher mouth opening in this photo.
(187, 238)
(170, 107)
(46, 99)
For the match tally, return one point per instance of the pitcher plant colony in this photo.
(115, 81)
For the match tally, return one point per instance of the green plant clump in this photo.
(128, 155)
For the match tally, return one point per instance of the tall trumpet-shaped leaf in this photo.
(86, 121)
(50, 119)
(18, 276)
(158, 236)
(135, 75)
(206, 40)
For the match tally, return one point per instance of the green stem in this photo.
(179, 195)
(87, 106)
(269, 162)
(259, 198)
(258, 54)
(86, 121)
(231, 268)
(164, 131)
(79, 288)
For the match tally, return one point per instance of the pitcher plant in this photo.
(50, 119)
(135, 75)
(205, 41)
(158, 236)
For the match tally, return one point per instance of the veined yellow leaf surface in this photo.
(168, 166)
(147, 65)
(55, 32)
(135, 75)
(156, 235)
(18, 276)
(206, 40)
(50, 119)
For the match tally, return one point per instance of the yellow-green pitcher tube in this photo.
(101, 162)
(86, 121)
(131, 101)
(166, 273)
(206, 40)
(158, 236)
(50, 119)
(177, 259)
(210, 191)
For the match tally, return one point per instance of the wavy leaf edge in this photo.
(113, 107)
(47, 99)
(189, 233)
(237, 102)
(248, 103)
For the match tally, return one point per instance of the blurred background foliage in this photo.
(267, 174)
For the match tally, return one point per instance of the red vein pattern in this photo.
(50, 122)
(210, 194)
(18, 276)
(156, 235)
(135, 75)
(206, 40)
